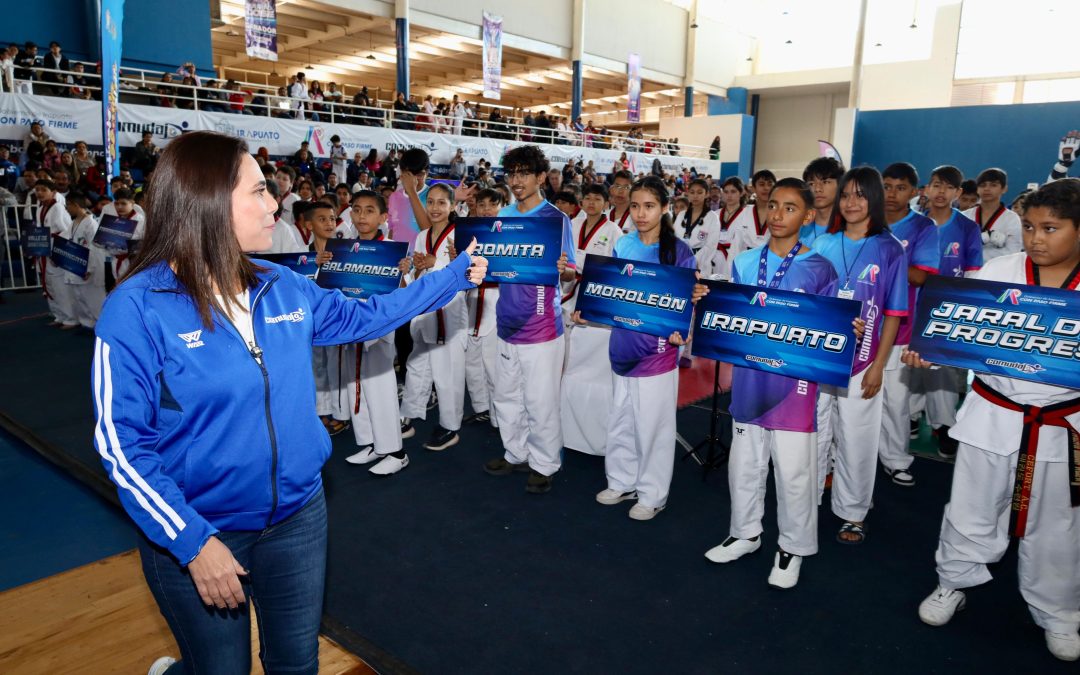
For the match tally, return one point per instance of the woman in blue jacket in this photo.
(205, 405)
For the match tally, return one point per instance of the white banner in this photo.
(260, 29)
(492, 46)
(67, 121)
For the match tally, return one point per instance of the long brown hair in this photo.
(189, 223)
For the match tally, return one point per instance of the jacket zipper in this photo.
(257, 354)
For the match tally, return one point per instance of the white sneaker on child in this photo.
(1065, 646)
(940, 606)
(732, 549)
(785, 570)
(366, 455)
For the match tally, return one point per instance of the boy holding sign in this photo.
(53, 215)
(89, 291)
(1018, 448)
(369, 368)
(775, 416)
(640, 453)
(529, 325)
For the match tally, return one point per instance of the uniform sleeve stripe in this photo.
(106, 437)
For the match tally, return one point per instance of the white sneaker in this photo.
(407, 429)
(161, 665)
(609, 496)
(1065, 646)
(389, 465)
(785, 570)
(641, 512)
(732, 549)
(939, 606)
(366, 455)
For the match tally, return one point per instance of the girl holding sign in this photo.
(775, 416)
(640, 453)
(872, 268)
(1006, 423)
(438, 355)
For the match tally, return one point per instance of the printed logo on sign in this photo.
(302, 260)
(759, 298)
(191, 339)
(628, 269)
(869, 274)
(496, 226)
(1016, 365)
(355, 247)
(1012, 295)
(772, 363)
(291, 317)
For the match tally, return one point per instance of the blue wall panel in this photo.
(1021, 139)
(158, 35)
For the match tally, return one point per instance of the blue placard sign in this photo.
(114, 233)
(798, 335)
(69, 256)
(1013, 330)
(645, 297)
(38, 242)
(301, 263)
(519, 250)
(362, 268)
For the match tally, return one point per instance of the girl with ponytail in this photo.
(640, 452)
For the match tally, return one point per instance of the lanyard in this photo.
(763, 265)
(843, 253)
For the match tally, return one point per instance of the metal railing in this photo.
(264, 100)
(17, 270)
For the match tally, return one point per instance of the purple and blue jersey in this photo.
(808, 234)
(872, 270)
(770, 400)
(635, 354)
(960, 243)
(527, 314)
(919, 236)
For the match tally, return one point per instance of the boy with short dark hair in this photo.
(823, 176)
(999, 225)
(751, 228)
(482, 348)
(969, 195)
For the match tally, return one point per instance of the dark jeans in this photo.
(286, 566)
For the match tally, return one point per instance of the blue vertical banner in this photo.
(260, 29)
(492, 56)
(633, 87)
(112, 39)
(401, 41)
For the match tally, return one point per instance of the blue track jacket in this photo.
(199, 433)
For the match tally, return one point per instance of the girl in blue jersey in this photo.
(640, 453)
(872, 268)
(775, 415)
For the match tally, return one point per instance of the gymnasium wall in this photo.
(1021, 139)
(789, 128)
(158, 34)
(736, 137)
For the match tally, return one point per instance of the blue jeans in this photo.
(286, 566)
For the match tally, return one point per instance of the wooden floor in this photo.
(100, 619)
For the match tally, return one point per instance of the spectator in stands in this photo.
(146, 153)
(280, 106)
(80, 83)
(554, 184)
(332, 96)
(298, 92)
(361, 99)
(212, 100)
(67, 165)
(457, 114)
(315, 93)
(166, 92)
(304, 164)
(83, 159)
(352, 171)
(426, 121)
(495, 127)
(185, 94)
(714, 148)
(24, 187)
(9, 172)
(401, 108)
(94, 81)
(364, 182)
(62, 181)
(371, 162)
(470, 120)
(484, 180)
(55, 60)
(458, 165)
(237, 98)
(37, 133)
(188, 70)
(7, 68)
(128, 180)
(26, 65)
(51, 159)
(388, 173)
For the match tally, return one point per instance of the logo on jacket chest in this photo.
(291, 317)
(191, 339)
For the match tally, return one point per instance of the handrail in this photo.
(211, 99)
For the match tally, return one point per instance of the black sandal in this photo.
(851, 528)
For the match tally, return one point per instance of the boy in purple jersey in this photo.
(960, 246)
(919, 236)
(640, 454)
(873, 269)
(528, 322)
(775, 416)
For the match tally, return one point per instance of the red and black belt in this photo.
(480, 306)
(1035, 417)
